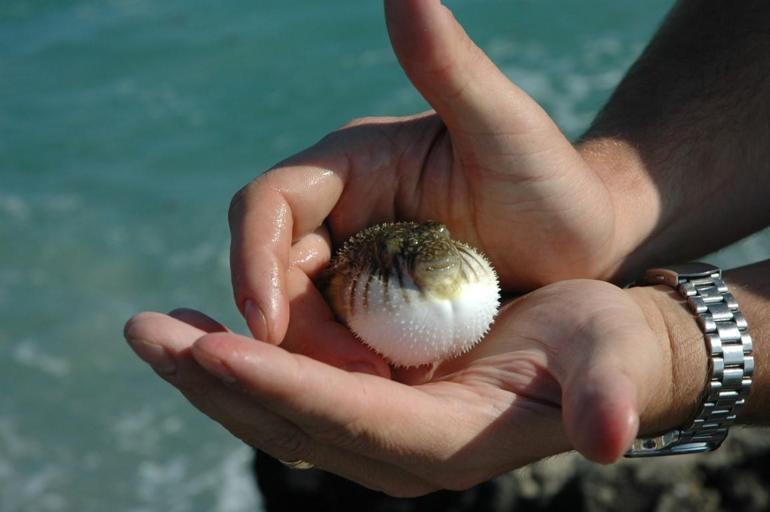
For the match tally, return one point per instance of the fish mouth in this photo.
(437, 265)
(437, 273)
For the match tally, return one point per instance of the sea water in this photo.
(125, 127)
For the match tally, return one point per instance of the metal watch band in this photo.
(730, 367)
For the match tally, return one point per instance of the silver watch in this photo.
(730, 367)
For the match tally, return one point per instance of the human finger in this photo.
(197, 319)
(257, 426)
(310, 393)
(311, 253)
(443, 432)
(159, 339)
(456, 77)
(212, 395)
(265, 217)
(611, 369)
(164, 342)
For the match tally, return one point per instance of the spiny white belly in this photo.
(411, 328)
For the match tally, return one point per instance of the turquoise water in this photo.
(125, 127)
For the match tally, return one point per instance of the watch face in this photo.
(694, 269)
(672, 274)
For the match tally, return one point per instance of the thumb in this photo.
(455, 76)
(600, 411)
(606, 386)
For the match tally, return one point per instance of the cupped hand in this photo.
(489, 163)
(577, 364)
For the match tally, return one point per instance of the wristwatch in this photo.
(730, 366)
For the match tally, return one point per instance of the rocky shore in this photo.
(736, 478)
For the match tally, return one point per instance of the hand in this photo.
(577, 364)
(489, 163)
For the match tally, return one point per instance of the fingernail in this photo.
(361, 367)
(255, 319)
(155, 355)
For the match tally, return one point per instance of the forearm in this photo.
(683, 145)
(675, 325)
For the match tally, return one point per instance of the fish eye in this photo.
(437, 228)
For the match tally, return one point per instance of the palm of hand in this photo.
(535, 387)
(490, 164)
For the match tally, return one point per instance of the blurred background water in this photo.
(125, 127)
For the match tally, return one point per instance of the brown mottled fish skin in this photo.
(411, 253)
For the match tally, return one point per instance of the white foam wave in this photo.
(21, 208)
(28, 353)
(144, 430)
(23, 489)
(569, 87)
(171, 486)
(238, 492)
(14, 207)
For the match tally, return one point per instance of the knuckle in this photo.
(358, 121)
(240, 201)
(237, 203)
(363, 125)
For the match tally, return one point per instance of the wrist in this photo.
(636, 204)
(677, 399)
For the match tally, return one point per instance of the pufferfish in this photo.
(411, 292)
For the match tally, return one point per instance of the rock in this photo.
(735, 477)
